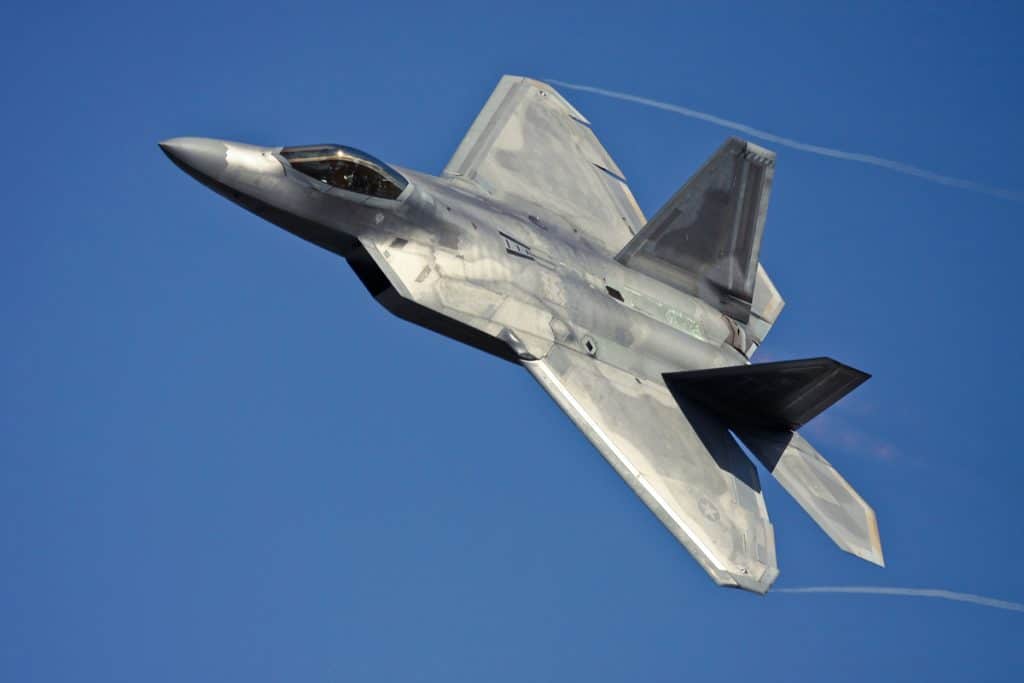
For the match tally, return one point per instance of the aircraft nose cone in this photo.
(203, 157)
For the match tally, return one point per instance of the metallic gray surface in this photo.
(706, 239)
(512, 250)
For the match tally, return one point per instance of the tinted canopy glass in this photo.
(347, 169)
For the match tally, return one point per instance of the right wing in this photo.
(529, 146)
(686, 468)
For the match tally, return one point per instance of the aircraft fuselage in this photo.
(445, 246)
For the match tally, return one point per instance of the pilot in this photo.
(342, 175)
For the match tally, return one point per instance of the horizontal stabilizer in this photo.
(707, 238)
(783, 395)
(819, 489)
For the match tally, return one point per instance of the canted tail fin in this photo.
(706, 240)
(763, 404)
(783, 395)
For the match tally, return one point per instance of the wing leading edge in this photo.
(686, 468)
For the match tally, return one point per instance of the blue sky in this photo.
(222, 460)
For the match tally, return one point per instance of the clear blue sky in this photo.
(221, 460)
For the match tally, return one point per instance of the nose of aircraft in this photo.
(202, 157)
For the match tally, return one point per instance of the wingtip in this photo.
(747, 583)
(877, 556)
(549, 89)
(759, 584)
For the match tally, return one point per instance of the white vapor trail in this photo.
(912, 592)
(869, 159)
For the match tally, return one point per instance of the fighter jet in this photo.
(530, 246)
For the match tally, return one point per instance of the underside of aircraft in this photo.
(530, 246)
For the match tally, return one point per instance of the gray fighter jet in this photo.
(531, 247)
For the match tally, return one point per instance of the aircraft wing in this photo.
(529, 146)
(686, 468)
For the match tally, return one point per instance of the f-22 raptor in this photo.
(531, 247)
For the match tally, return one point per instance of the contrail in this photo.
(869, 159)
(912, 592)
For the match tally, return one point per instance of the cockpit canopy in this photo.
(347, 169)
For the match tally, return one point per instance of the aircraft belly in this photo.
(463, 288)
(531, 247)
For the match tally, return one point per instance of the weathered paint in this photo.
(513, 250)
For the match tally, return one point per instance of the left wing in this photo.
(529, 145)
(686, 468)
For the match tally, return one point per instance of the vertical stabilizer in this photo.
(707, 238)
